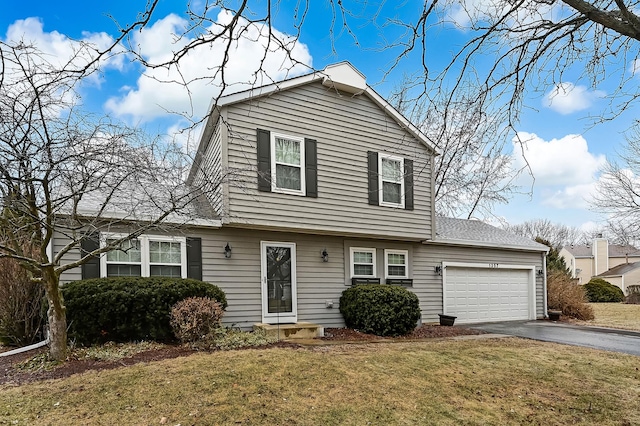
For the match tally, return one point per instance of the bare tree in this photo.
(512, 46)
(473, 173)
(618, 192)
(555, 234)
(66, 171)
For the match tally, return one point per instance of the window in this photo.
(363, 262)
(287, 167)
(126, 262)
(391, 180)
(395, 263)
(148, 255)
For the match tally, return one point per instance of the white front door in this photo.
(279, 300)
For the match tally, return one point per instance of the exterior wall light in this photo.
(438, 270)
(540, 272)
(325, 255)
(227, 251)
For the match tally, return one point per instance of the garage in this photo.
(488, 292)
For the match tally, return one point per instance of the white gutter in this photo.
(45, 342)
(485, 244)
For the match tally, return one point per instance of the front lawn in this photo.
(615, 315)
(471, 382)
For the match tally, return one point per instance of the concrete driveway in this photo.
(607, 339)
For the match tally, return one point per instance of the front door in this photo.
(279, 303)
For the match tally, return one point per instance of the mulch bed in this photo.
(11, 375)
(422, 332)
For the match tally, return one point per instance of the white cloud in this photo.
(571, 197)
(565, 161)
(159, 91)
(58, 50)
(567, 98)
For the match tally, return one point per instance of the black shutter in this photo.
(408, 184)
(264, 160)
(311, 165)
(194, 258)
(91, 268)
(372, 158)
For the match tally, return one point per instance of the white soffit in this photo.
(344, 77)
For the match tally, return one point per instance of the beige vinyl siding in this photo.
(211, 172)
(585, 264)
(345, 128)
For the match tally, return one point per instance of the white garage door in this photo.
(486, 294)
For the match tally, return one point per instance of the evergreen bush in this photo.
(599, 290)
(126, 309)
(380, 309)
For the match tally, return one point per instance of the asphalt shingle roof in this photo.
(478, 232)
(620, 269)
(615, 250)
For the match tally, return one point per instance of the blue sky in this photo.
(564, 150)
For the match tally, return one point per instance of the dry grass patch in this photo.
(615, 315)
(506, 381)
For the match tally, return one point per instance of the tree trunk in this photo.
(57, 315)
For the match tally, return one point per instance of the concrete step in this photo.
(299, 330)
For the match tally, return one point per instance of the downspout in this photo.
(27, 348)
(544, 282)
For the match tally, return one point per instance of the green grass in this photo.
(471, 382)
(615, 315)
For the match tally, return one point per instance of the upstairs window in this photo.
(391, 175)
(287, 164)
(287, 168)
(390, 180)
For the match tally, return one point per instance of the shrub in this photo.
(634, 295)
(127, 309)
(565, 295)
(380, 309)
(195, 318)
(22, 317)
(599, 290)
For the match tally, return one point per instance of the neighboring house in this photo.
(618, 264)
(332, 187)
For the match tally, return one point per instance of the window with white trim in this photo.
(395, 263)
(363, 262)
(287, 164)
(125, 262)
(391, 180)
(147, 255)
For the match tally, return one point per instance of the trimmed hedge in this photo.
(126, 309)
(599, 290)
(380, 309)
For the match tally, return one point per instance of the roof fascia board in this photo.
(463, 243)
(401, 120)
(170, 220)
(322, 75)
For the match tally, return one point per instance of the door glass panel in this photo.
(279, 294)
